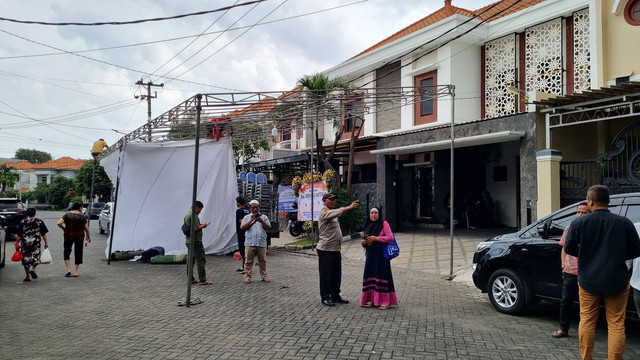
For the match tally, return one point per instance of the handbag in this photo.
(17, 256)
(45, 258)
(391, 249)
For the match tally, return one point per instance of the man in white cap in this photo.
(255, 226)
(329, 245)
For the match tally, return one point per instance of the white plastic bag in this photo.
(45, 258)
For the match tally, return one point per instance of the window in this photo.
(632, 12)
(43, 179)
(352, 116)
(425, 109)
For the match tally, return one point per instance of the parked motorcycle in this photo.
(295, 225)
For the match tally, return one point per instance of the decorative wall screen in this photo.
(499, 72)
(581, 51)
(543, 57)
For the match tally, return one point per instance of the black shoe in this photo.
(328, 302)
(33, 274)
(340, 300)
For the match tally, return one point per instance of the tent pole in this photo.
(193, 200)
(93, 178)
(115, 203)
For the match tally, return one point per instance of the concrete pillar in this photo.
(386, 180)
(548, 181)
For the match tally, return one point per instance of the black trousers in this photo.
(569, 295)
(241, 239)
(330, 268)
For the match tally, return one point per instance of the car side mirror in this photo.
(544, 230)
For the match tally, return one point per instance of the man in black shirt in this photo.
(602, 241)
(240, 213)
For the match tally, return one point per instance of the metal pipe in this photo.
(194, 193)
(451, 173)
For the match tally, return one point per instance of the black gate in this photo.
(618, 169)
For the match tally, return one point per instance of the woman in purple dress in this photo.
(377, 282)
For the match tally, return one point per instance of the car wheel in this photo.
(101, 229)
(506, 292)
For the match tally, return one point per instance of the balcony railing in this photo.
(288, 145)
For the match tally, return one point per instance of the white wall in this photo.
(504, 192)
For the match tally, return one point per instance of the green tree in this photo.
(32, 155)
(27, 196)
(41, 192)
(102, 184)
(248, 139)
(351, 221)
(317, 88)
(8, 177)
(59, 188)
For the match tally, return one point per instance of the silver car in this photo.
(104, 219)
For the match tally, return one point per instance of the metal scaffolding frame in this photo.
(270, 107)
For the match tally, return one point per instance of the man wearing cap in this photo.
(255, 226)
(329, 245)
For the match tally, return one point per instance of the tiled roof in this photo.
(20, 165)
(264, 105)
(493, 12)
(63, 163)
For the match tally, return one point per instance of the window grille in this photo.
(543, 57)
(500, 72)
(581, 52)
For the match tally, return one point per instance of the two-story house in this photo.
(497, 64)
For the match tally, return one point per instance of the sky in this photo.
(63, 87)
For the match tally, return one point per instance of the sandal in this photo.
(247, 280)
(559, 334)
(240, 270)
(383, 307)
(368, 304)
(208, 282)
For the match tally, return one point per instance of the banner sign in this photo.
(304, 200)
(286, 198)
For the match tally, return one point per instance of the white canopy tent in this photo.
(155, 191)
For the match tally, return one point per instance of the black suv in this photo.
(518, 269)
(13, 212)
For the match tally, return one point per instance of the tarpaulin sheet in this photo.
(155, 191)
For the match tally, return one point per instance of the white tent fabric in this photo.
(155, 191)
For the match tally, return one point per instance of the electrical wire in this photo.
(133, 21)
(194, 40)
(209, 43)
(232, 41)
(430, 51)
(182, 37)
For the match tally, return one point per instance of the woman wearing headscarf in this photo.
(30, 234)
(377, 282)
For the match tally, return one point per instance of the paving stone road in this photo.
(129, 310)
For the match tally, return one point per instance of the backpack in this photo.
(185, 229)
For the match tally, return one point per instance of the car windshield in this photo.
(97, 205)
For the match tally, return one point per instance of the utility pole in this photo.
(149, 84)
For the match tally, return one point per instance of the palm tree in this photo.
(317, 88)
(7, 176)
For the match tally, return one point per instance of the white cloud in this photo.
(267, 57)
